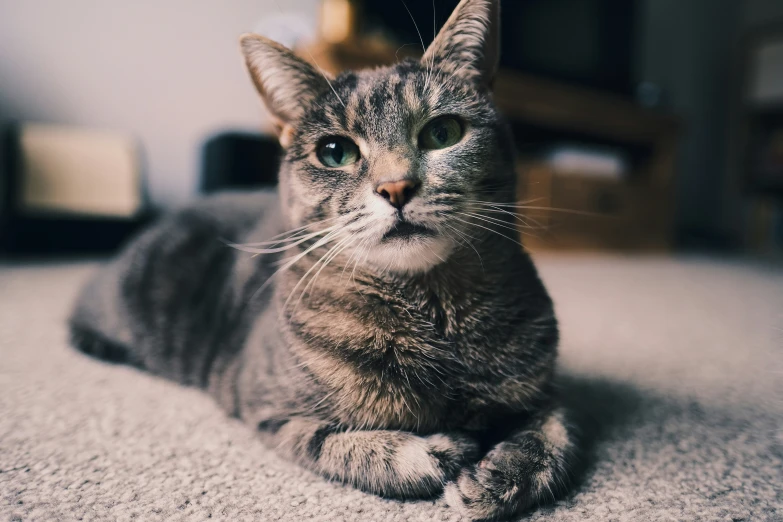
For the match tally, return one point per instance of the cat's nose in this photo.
(398, 193)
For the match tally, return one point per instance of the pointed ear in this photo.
(286, 82)
(469, 42)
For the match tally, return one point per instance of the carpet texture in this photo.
(674, 369)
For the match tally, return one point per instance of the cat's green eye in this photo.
(441, 133)
(336, 151)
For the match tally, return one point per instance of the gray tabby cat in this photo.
(396, 338)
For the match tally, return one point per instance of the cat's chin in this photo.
(410, 256)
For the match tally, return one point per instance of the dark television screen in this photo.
(587, 42)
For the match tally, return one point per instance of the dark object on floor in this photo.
(236, 160)
(66, 235)
(68, 191)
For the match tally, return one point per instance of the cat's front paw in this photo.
(390, 463)
(510, 479)
(414, 466)
(421, 466)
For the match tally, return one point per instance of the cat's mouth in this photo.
(408, 231)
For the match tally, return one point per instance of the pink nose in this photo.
(397, 193)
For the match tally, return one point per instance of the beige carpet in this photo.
(674, 368)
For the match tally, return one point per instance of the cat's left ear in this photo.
(286, 83)
(469, 43)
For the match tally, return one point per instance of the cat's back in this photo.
(178, 286)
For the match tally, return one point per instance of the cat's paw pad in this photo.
(507, 481)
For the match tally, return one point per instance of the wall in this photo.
(692, 49)
(755, 14)
(167, 71)
(759, 12)
(686, 47)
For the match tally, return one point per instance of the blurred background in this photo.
(642, 125)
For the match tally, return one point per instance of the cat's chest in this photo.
(387, 362)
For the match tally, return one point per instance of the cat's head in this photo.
(392, 161)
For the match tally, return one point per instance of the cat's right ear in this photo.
(286, 82)
(468, 45)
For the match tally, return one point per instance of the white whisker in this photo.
(301, 279)
(331, 237)
(321, 242)
(338, 249)
(355, 253)
(317, 66)
(493, 221)
(489, 230)
(294, 232)
(253, 250)
(524, 220)
(528, 207)
(465, 239)
(327, 79)
(423, 48)
(494, 203)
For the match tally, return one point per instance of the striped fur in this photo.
(396, 365)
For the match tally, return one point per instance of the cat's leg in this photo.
(97, 345)
(529, 467)
(394, 464)
(99, 326)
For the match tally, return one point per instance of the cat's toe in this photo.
(504, 483)
(486, 494)
(423, 465)
(453, 452)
